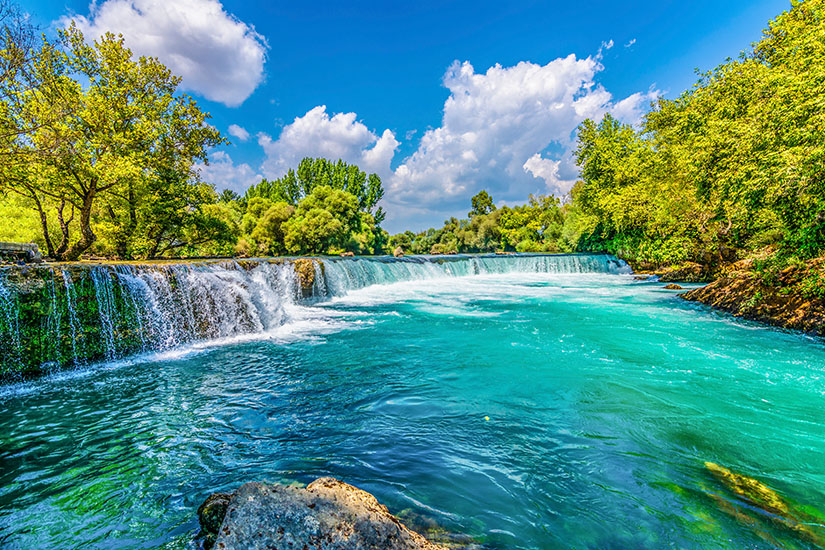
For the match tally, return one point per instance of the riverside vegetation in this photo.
(100, 153)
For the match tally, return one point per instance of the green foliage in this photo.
(482, 204)
(538, 226)
(268, 232)
(813, 285)
(323, 207)
(736, 162)
(101, 145)
(325, 219)
(313, 231)
(312, 173)
(19, 221)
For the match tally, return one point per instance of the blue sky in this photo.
(442, 99)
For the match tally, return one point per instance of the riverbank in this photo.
(792, 298)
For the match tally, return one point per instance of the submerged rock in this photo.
(210, 516)
(326, 515)
(673, 286)
(759, 496)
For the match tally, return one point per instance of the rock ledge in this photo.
(326, 515)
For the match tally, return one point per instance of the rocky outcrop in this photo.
(326, 515)
(17, 252)
(398, 252)
(305, 269)
(688, 273)
(210, 516)
(784, 302)
(673, 286)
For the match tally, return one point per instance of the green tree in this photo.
(269, 232)
(482, 204)
(312, 173)
(326, 219)
(89, 133)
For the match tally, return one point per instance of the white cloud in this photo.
(223, 173)
(632, 108)
(496, 131)
(632, 41)
(217, 55)
(239, 132)
(546, 169)
(316, 134)
(605, 46)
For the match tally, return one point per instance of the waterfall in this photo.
(105, 308)
(342, 275)
(71, 309)
(9, 327)
(79, 314)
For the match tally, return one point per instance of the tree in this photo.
(482, 204)
(325, 219)
(312, 173)
(269, 232)
(94, 131)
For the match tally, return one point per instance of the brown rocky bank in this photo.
(742, 292)
(327, 514)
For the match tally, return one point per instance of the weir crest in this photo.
(69, 315)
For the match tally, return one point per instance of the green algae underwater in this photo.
(566, 408)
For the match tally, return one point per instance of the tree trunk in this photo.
(44, 223)
(64, 227)
(157, 240)
(87, 236)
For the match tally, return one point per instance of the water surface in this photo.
(528, 410)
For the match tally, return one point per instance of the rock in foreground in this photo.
(326, 515)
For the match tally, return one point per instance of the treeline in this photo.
(734, 167)
(543, 224)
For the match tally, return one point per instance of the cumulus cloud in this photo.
(509, 130)
(546, 169)
(238, 132)
(316, 134)
(223, 173)
(218, 56)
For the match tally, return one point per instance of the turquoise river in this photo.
(526, 402)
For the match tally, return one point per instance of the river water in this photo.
(524, 409)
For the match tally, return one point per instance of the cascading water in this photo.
(106, 308)
(342, 275)
(9, 323)
(75, 315)
(71, 309)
